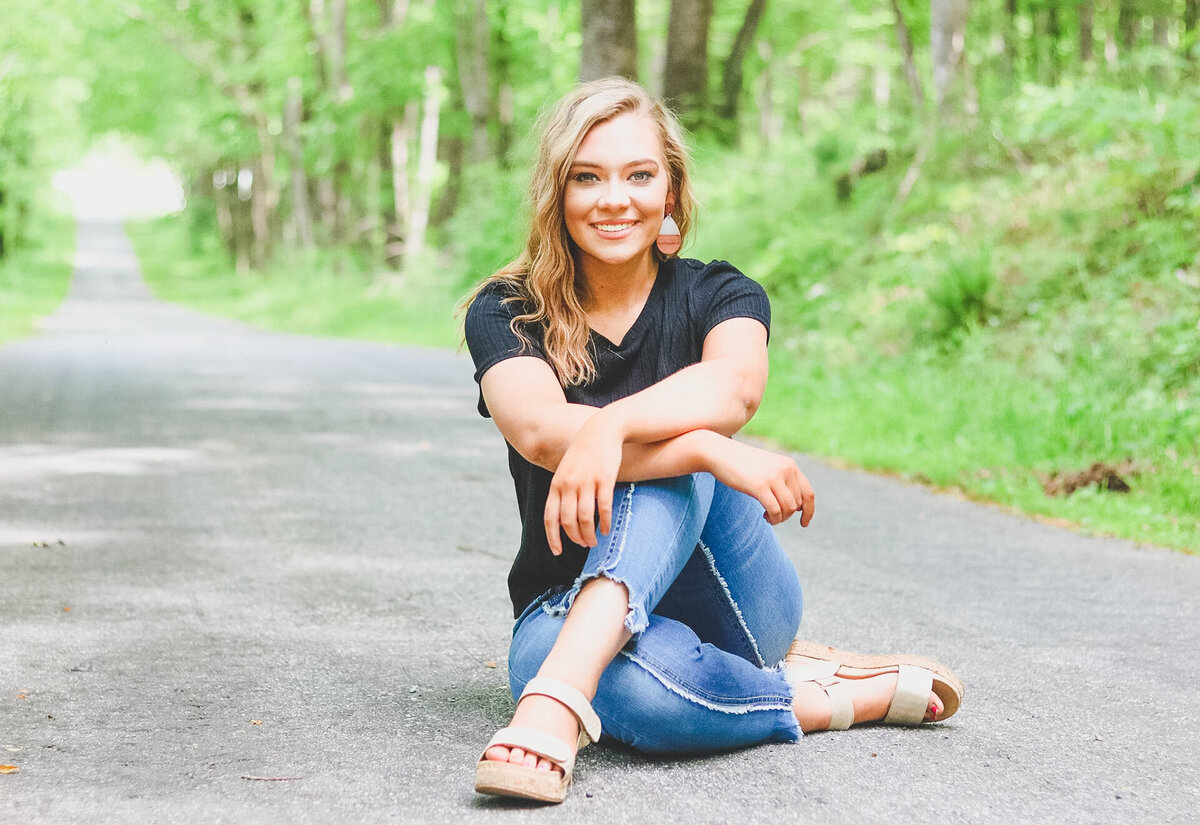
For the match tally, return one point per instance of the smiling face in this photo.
(618, 190)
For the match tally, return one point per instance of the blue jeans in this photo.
(713, 605)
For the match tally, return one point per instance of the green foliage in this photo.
(332, 292)
(1032, 308)
(34, 277)
(960, 294)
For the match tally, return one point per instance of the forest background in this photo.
(977, 221)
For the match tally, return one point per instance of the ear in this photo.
(670, 205)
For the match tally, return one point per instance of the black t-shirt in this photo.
(687, 300)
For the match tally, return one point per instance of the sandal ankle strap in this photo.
(569, 696)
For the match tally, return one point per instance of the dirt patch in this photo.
(1109, 477)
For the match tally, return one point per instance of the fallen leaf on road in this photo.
(9, 769)
(66, 610)
(11, 748)
(489, 664)
(255, 721)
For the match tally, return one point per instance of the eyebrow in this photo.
(587, 164)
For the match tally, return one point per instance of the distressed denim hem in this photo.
(636, 618)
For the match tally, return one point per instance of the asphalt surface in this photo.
(229, 557)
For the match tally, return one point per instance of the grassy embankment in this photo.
(35, 276)
(325, 294)
(1031, 309)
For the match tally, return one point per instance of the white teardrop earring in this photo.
(669, 240)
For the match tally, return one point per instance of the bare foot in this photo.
(872, 696)
(544, 714)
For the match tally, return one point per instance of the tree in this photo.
(685, 74)
(947, 32)
(1085, 12)
(609, 46)
(904, 38)
(731, 77)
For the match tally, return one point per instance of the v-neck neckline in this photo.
(660, 279)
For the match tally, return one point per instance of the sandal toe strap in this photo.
(535, 741)
(572, 698)
(911, 700)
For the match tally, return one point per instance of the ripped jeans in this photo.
(713, 605)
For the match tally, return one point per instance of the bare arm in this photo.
(720, 393)
(675, 427)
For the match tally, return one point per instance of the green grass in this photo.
(1010, 321)
(34, 277)
(308, 296)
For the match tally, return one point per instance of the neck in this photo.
(611, 285)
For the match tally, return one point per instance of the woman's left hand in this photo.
(582, 488)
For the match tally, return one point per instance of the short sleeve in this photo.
(729, 294)
(489, 334)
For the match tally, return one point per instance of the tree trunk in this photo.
(1191, 15)
(426, 164)
(1129, 20)
(1086, 13)
(947, 32)
(264, 198)
(1053, 36)
(503, 106)
(609, 39)
(301, 212)
(906, 50)
(1162, 31)
(471, 45)
(401, 200)
(732, 77)
(337, 50)
(1010, 36)
(685, 74)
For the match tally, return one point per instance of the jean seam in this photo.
(724, 590)
(672, 682)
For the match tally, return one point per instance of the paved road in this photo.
(230, 554)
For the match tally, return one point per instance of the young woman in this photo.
(652, 598)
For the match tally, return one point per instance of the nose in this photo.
(614, 195)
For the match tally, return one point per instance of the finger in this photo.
(770, 505)
(604, 503)
(789, 504)
(568, 515)
(808, 502)
(587, 518)
(553, 524)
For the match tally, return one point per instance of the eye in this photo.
(642, 176)
(584, 177)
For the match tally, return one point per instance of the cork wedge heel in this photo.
(508, 779)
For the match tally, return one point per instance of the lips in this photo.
(614, 228)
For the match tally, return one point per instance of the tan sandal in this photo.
(917, 677)
(508, 779)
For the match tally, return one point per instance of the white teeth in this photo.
(612, 227)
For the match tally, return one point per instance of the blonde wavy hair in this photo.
(543, 277)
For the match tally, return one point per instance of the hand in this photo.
(773, 479)
(582, 487)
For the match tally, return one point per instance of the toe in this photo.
(496, 753)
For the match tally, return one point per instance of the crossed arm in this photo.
(680, 425)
